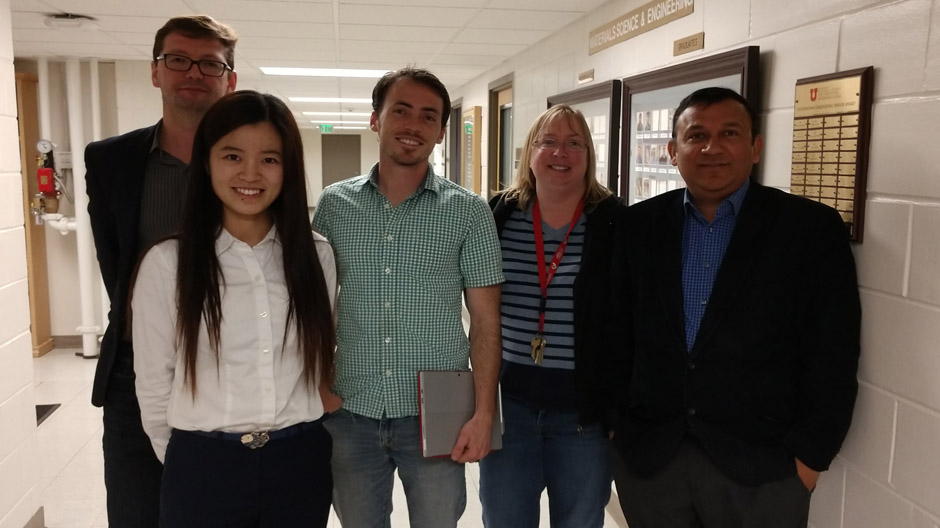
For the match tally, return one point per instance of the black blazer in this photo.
(114, 180)
(772, 373)
(588, 308)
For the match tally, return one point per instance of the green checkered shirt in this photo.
(402, 272)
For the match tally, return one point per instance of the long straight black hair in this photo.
(199, 277)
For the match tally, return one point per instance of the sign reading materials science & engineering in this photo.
(648, 16)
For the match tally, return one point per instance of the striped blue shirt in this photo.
(550, 384)
(703, 247)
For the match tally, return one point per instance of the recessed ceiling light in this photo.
(337, 113)
(70, 21)
(323, 72)
(328, 100)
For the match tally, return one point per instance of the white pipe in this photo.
(59, 222)
(105, 301)
(86, 250)
(95, 101)
(45, 114)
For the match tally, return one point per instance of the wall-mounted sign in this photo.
(831, 130)
(687, 44)
(326, 129)
(470, 142)
(646, 17)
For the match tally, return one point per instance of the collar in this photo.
(156, 136)
(226, 240)
(735, 200)
(431, 182)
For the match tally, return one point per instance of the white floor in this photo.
(72, 466)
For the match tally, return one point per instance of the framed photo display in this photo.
(600, 105)
(649, 104)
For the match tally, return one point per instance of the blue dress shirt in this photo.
(703, 247)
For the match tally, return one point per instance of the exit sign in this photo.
(468, 128)
(326, 129)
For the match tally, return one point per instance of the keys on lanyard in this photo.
(538, 342)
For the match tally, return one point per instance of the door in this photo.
(341, 157)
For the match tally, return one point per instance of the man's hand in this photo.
(807, 475)
(473, 443)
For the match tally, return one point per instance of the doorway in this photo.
(341, 156)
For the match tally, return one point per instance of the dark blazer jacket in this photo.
(588, 314)
(114, 179)
(772, 373)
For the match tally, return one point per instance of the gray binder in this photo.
(447, 401)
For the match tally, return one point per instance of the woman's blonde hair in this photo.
(523, 186)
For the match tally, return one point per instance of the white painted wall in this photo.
(888, 474)
(19, 459)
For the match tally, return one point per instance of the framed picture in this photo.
(649, 108)
(600, 105)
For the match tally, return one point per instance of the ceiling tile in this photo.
(405, 15)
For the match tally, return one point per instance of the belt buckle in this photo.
(255, 440)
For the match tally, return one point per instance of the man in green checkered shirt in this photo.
(408, 245)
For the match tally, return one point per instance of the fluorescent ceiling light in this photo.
(344, 122)
(348, 128)
(337, 113)
(328, 100)
(323, 72)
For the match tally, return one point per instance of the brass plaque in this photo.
(691, 43)
(837, 96)
(831, 120)
(648, 16)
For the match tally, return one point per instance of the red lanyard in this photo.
(545, 276)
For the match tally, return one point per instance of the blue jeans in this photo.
(366, 453)
(546, 449)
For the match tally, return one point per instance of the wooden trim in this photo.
(27, 108)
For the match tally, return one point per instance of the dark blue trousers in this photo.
(216, 482)
(131, 469)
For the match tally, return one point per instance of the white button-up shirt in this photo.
(258, 382)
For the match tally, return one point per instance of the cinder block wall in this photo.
(19, 468)
(888, 474)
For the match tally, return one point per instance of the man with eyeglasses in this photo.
(136, 188)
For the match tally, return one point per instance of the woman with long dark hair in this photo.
(233, 331)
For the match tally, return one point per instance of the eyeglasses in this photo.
(183, 63)
(573, 145)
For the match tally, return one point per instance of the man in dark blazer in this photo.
(136, 187)
(737, 336)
